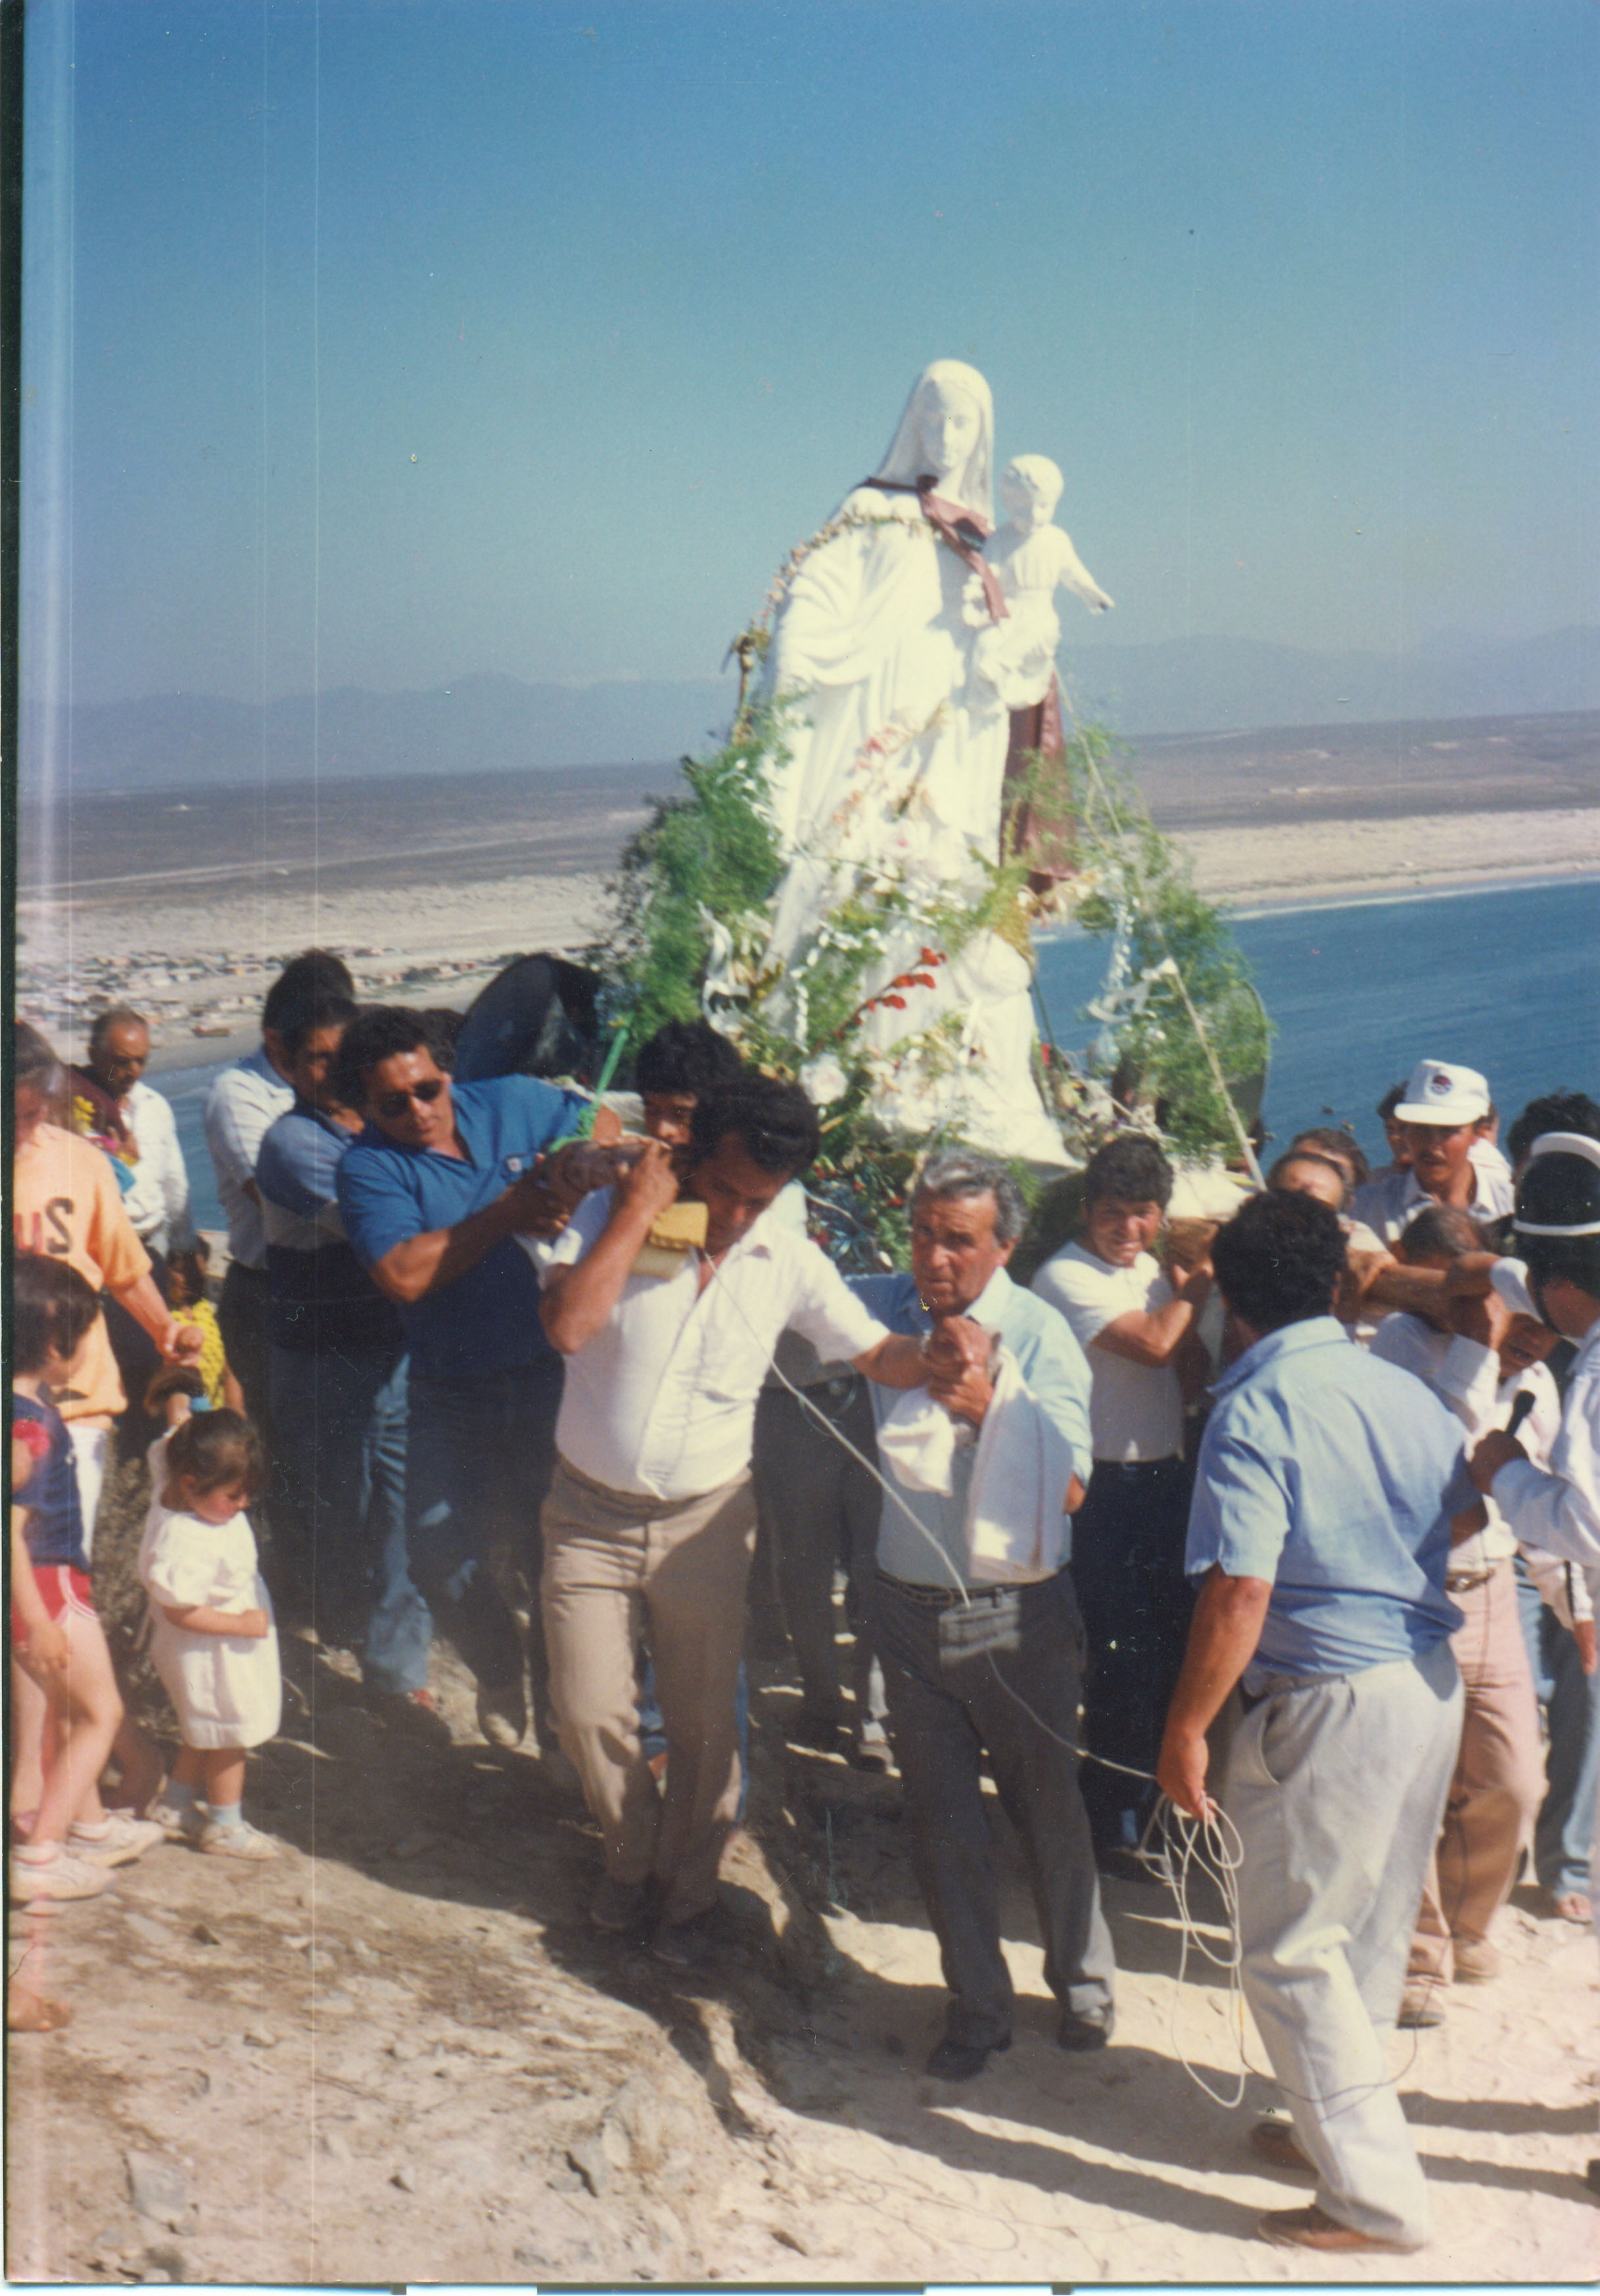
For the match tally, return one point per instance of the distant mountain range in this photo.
(488, 723)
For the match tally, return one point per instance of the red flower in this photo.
(897, 1003)
(930, 956)
(33, 1436)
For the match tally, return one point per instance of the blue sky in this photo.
(396, 339)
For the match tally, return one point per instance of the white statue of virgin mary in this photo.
(896, 753)
(892, 787)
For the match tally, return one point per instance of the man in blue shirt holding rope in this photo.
(1325, 1493)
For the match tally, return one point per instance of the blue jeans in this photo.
(481, 1454)
(1572, 1702)
(1127, 1573)
(338, 1426)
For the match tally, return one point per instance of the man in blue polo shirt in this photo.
(434, 1193)
(1327, 1490)
(338, 1370)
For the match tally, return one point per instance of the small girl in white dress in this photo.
(212, 1638)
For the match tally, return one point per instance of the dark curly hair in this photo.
(376, 1034)
(774, 1123)
(686, 1056)
(314, 971)
(52, 1307)
(1278, 1259)
(1557, 1111)
(1130, 1169)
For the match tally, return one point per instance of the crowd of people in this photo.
(1306, 1501)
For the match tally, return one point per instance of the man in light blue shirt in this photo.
(242, 1104)
(971, 1665)
(1324, 1497)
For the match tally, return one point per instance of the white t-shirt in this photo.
(662, 1400)
(1135, 1411)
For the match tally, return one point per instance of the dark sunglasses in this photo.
(395, 1104)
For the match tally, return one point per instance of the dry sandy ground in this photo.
(479, 920)
(401, 2053)
(1281, 865)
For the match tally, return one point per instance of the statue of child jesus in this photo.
(1032, 559)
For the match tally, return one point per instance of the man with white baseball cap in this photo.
(1443, 1107)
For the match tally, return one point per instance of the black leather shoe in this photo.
(957, 2061)
(1149, 1868)
(1088, 2028)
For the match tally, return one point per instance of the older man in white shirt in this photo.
(156, 1194)
(651, 1518)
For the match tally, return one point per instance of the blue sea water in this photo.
(1506, 981)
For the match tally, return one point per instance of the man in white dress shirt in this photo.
(651, 1518)
(157, 1200)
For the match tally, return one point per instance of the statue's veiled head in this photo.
(948, 429)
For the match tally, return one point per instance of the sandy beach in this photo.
(1285, 866)
(198, 957)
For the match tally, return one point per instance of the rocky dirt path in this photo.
(400, 2053)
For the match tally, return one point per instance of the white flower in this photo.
(823, 1080)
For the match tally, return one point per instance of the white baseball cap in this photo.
(1442, 1092)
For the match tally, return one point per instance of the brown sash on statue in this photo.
(961, 528)
(1042, 837)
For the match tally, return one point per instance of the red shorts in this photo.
(62, 1589)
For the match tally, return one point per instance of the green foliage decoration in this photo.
(692, 911)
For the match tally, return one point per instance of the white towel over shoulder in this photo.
(1015, 1524)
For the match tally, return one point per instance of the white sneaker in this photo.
(32, 1879)
(241, 1840)
(126, 1838)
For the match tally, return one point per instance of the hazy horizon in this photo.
(389, 341)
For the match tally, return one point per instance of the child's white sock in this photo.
(227, 1813)
(179, 1797)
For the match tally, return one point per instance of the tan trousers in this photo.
(1499, 1780)
(671, 1573)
